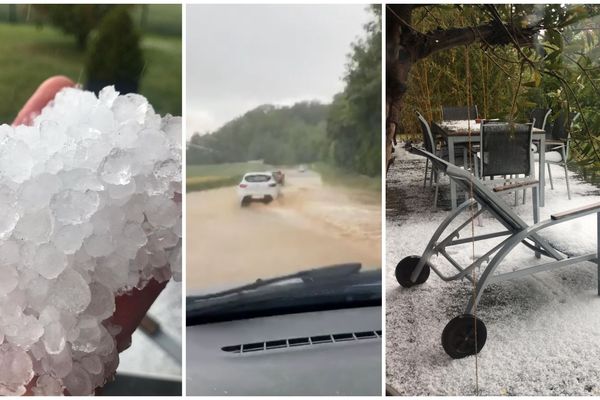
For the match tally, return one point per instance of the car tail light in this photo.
(243, 185)
(273, 184)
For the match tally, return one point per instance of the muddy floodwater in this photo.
(312, 224)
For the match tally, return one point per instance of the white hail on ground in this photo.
(543, 330)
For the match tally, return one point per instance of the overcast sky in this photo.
(242, 56)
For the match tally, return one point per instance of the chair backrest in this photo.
(459, 113)
(428, 141)
(505, 149)
(539, 117)
(561, 129)
(480, 192)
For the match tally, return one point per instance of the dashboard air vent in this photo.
(301, 341)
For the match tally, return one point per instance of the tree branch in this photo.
(443, 39)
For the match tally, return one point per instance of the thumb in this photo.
(40, 98)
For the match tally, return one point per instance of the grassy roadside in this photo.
(339, 177)
(212, 176)
(198, 183)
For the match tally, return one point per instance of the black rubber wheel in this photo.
(464, 336)
(405, 268)
(245, 202)
(267, 199)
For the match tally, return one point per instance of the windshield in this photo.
(310, 129)
(257, 178)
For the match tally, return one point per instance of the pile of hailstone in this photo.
(87, 212)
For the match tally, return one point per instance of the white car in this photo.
(258, 186)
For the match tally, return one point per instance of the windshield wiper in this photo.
(308, 276)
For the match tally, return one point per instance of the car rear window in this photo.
(257, 178)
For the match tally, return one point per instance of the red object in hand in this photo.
(131, 308)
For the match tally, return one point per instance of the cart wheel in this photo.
(405, 268)
(464, 336)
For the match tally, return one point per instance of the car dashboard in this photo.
(333, 352)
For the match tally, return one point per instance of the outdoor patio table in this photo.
(457, 132)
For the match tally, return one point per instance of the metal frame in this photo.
(547, 113)
(517, 231)
(454, 141)
(563, 149)
(428, 136)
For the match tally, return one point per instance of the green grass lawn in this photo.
(161, 82)
(29, 55)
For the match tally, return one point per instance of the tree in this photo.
(492, 27)
(354, 120)
(75, 19)
(115, 56)
(279, 135)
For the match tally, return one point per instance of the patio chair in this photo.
(539, 117)
(459, 113)
(466, 334)
(428, 143)
(557, 148)
(431, 145)
(505, 150)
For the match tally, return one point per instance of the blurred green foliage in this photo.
(354, 120)
(75, 19)
(560, 71)
(161, 19)
(31, 50)
(114, 54)
(277, 135)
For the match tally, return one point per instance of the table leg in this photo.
(542, 169)
(452, 184)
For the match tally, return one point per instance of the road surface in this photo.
(311, 225)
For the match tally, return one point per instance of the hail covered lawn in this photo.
(543, 330)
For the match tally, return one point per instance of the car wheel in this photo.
(245, 202)
(267, 199)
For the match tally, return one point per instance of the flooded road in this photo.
(312, 224)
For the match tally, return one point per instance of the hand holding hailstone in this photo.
(90, 233)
